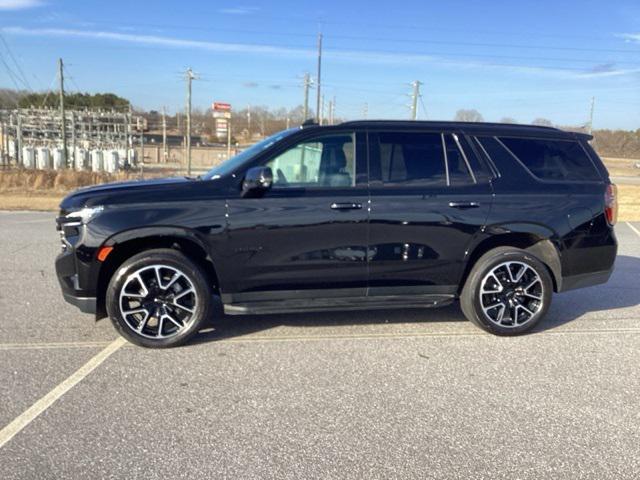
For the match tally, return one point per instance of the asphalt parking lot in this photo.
(385, 394)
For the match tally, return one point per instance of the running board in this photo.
(304, 305)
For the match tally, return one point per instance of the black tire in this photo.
(471, 301)
(200, 302)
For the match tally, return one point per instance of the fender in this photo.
(157, 231)
(538, 239)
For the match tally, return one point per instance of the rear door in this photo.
(427, 203)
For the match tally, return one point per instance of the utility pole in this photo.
(228, 138)
(321, 115)
(318, 79)
(19, 139)
(131, 155)
(332, 108)
(141, 148)
(4, 137)
(189, 77)
(593, 104)
(307, 84)
(63, 128)
(164, 134)
(249, 120)
(414, 99)
(73, 159)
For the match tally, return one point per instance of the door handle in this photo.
(464, 205)
(346, 206)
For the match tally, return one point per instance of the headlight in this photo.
(83, 215)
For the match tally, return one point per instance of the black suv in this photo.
(366, 214)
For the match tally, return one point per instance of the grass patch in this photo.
(629, 203)
(63, 181)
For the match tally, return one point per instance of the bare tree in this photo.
(471, 115)
(508, 120)
(542, 122)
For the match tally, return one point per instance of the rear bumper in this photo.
(585, 280)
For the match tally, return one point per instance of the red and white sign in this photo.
(221, 107)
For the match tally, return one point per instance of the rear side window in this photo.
(553, 159)
(459, 172)
(422, 158)
(412, 158)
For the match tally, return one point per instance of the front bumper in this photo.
(84, 304)
(70, 284)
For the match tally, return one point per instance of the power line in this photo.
(10, 73)
(70, 77)
(414, 41)
(351, 23)
(49, 90)
(15, 62)
(424, 109)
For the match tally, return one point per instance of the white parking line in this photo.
(633, 228)
(11, 430)
(45, 346)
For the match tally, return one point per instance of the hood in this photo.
(137, 191)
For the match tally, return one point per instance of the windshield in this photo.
(228, 166)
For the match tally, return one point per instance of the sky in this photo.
(520, 59)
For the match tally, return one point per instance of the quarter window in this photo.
(327, 161)
(553, 159)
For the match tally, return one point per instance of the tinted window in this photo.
(327, 161)
(493, 149)
(459, 173)
(231, 164)
(553, 159)
(412, 158)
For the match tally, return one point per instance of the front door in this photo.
(426, 205)
(307, 236)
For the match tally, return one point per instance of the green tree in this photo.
(73, 100)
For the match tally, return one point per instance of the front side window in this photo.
(327, 161)
(553, 159)
(232, 164)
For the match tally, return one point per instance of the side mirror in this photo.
(257, 181)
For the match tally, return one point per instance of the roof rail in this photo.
(453, 123)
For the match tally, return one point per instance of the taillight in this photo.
(611, 204)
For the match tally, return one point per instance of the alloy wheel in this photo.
(511, 294)
(158, 301)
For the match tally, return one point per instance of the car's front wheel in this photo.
(158, 298)
(507, 292)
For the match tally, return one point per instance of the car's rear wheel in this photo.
(158, 298)
(508, 291)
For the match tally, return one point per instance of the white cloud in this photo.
(350, 56)
(630, 37)
(19, 4)
(240, 10)
(159, 41)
